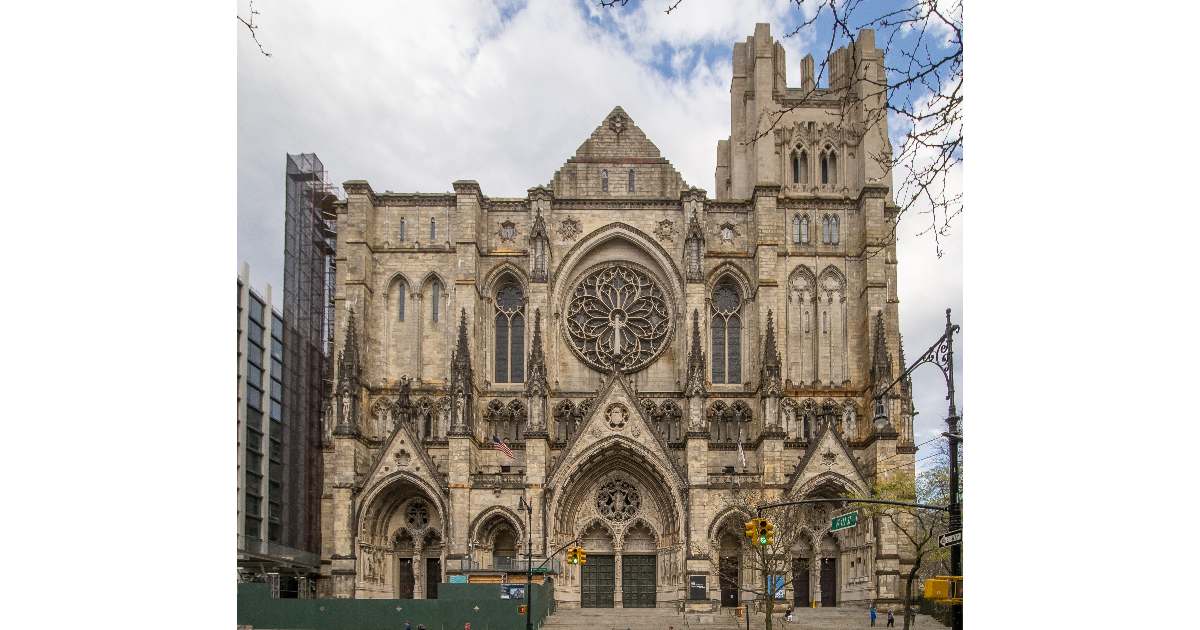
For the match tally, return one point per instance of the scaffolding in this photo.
(310, 239)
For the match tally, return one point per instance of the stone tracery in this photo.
(618, 318)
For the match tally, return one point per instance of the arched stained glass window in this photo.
(804, 230)
(510, 333)
(604, 180)
(834, 237)
(726, 332)
(796, 229)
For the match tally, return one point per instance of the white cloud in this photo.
(412, 96)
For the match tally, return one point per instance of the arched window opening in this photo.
(834, 237)
(401, 298)
(726, 332)
(432, 230)
(403, 229)
(796, 229)
(826, 232)
(800, 167)
(631, 182)
(824, 169)
(804, 230)
(510, 333)
(795, 167)
(435, 297)
(833, 167)
(604, 180)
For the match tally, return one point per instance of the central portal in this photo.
(638, 577)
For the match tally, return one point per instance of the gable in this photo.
(828, 457)
(616, 147)
(404, 453)
(616, 417)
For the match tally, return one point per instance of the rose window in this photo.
(618, 318)
(618, 500)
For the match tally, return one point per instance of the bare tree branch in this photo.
(253, 28)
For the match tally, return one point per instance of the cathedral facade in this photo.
(642, 349)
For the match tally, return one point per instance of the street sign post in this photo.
(950, 539)
(844, 521)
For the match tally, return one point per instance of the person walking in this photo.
(891, 618)
(874, 614)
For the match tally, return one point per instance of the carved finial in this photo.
(695, 372)
(536, 384)
(881, 367)
(348, 357)
(772, 373)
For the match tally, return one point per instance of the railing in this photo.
(514, 565)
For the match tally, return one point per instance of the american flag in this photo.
(499, 445)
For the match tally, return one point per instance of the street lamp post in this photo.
(941, 354)
(524, 505)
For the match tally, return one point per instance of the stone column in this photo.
(618, 597)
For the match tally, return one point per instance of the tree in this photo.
(254, 28)
(793, 524)
(919, 528)
(920, 94)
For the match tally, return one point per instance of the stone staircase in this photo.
(669, 619)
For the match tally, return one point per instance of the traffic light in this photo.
(762, 531)
(770, 531)
(752, 530)
(944, 588)
(580, 555)
(571, 556)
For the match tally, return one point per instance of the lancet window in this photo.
(726, 312)
(510, 333)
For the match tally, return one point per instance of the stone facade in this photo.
(623, 333)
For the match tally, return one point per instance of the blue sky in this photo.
(414, 95)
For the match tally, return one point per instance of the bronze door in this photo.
(433, 577)
(800, 591)
(638, 579)
(597, 583)
(404, 578)
(828, 582)
(729, 581)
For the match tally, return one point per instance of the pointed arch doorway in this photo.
(598, 575)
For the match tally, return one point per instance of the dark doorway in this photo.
(828, 582)
(597, 582)
(404, 578)
(638, 579)
(729, 581)
(433, 577)
(800, 592)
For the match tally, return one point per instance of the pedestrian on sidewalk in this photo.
(891, 618)
(874, 614)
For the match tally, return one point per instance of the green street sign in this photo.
(845, 521)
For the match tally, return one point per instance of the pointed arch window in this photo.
(726, 332)
(401, 298)
(604, 180)
(432, 229)
(804, 230)
(796, 229)
(826, 231)
(800, 167)
(403, 229)
(630, 187)
(435, 290)
(828, 165)
(834, 237)
(510, 333)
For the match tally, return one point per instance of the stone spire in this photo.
(348, 383)
(772, 372)
(693, 249)
(539, 238)
(695, 371)
(881, 363)
(536, 383)
(461, 380)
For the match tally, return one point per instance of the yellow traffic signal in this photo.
(580, 555)
(571, 556)
(944, 588)
(752, 529)
(770, 532)
(762, 531)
